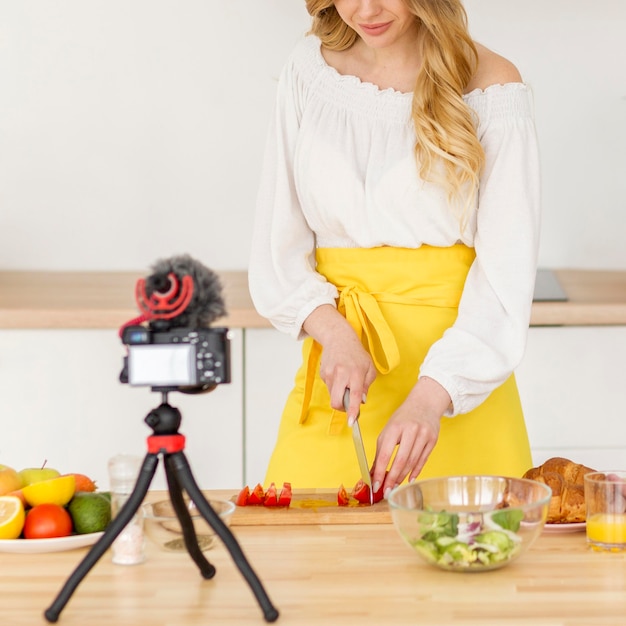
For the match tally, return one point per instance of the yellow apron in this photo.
(399, 301)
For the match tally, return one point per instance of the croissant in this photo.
(566, 480)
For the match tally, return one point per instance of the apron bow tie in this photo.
(361, 310)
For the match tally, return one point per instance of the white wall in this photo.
(133, 129)
(573, 54)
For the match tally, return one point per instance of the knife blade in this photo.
(357, 438)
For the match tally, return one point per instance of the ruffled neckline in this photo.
(352, 80)
(371, 88)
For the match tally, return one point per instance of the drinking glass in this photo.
(128, 547)
(605, 502)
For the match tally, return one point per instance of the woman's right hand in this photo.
(411, 432)
(345, 363)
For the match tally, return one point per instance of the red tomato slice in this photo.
(242, 498)
(378, 495)
(285, 495)
(257, 495)
(271, 496)
(342, 496)
(361, 492)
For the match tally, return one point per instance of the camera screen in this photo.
(161, 365)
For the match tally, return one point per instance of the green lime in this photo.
(90, 512)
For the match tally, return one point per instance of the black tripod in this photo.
(166, 440)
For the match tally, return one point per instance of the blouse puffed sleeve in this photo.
(284, 285)
(487, 341)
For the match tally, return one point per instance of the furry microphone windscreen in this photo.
(206, 304)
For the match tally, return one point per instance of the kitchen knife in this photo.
(359, 447)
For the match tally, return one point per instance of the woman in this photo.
(397, 234)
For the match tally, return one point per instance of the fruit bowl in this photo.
(470, 523)
(163, 528)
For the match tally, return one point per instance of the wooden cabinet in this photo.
(272, 359)
(61, 402)
(572, 382)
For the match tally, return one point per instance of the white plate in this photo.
(58, 544)
(565, 528)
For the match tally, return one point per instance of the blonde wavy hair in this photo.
(445, 126)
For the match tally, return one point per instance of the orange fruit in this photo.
(11, 517)
(9, 480)
(83, 483)
(53, 491)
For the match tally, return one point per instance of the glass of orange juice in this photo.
(605, 502)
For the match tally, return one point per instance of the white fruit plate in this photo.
(57, 544)
(574, 527)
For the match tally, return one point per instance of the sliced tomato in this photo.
(343, 499)
(257, 495)
(361, 492)
(243, 496)
(271, 496)
(285, 495)
(379, 495)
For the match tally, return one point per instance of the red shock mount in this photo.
(161, 305)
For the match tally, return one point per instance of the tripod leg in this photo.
(124, 516)
(189, 534)
(180, 467)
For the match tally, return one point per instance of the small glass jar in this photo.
(129, 546)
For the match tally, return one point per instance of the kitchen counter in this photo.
(106, 300)
(339, 575)
(98, 300)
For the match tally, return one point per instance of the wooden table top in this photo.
(106, 300)
(339, 575)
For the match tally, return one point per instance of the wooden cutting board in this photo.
(312, 507)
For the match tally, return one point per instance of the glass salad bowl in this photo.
(470, 523)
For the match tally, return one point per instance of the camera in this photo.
(183, 359)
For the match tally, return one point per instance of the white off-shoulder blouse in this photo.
(339, 171)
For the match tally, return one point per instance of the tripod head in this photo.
(164, 419)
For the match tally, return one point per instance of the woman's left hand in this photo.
(414, 430)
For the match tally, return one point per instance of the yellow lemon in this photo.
(11, 517)
(53, 491)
